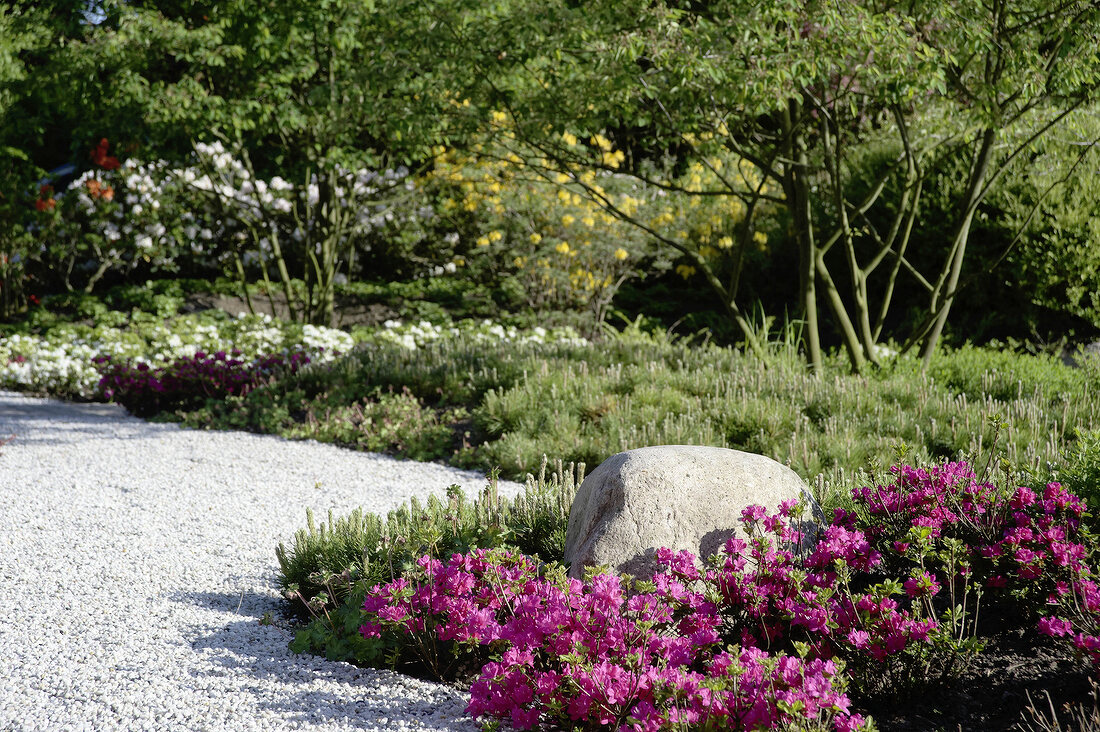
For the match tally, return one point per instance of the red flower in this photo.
(45, 200)
(101, 158)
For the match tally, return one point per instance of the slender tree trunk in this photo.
(284, 275)
(96, 277)
(836, 304)
(265, 218)
(944, 294)
(328, 293)
(859, 345)
(243, 279)
(899, 255)
(798, 193)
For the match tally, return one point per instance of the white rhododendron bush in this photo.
(215, 212)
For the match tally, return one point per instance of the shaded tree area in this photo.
(858, 141)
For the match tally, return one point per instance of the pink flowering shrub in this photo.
(594, 654)
(978, 539)
(758, 637)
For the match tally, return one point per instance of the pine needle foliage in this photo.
(362, 548)
(481, 405)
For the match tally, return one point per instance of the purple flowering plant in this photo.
(759, 636)
(187, 383)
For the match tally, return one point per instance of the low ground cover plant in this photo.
(328, 567)
(459, 400)
(889, 602)
(65, 359)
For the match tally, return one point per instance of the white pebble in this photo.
(138, 559)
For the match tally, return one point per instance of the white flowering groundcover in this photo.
(412, 336)
(62, 361)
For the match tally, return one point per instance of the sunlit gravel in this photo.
(137, 561)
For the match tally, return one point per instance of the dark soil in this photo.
(993, 694)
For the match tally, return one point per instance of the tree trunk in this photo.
(944, 294)
(852, 342)
(860, 346)
(797, 190)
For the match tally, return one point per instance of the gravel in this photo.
(138, 559)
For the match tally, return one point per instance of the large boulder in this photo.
(675, 496)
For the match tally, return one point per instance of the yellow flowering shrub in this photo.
(564, 251)
(569, 234)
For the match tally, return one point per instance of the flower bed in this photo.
(760, 637)
(66, 360)
(412, 336)
(70, 359)
(188, 382)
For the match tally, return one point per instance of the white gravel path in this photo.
(137, 559)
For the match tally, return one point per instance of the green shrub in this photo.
(330, 566)
(1080, 468)
(361, 547)
(1056, 262)
(396, 423)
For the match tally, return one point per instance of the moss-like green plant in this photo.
(332, 557)
(990, 373)
(321, 552)
(818, 425)
(394, 423)
(478, 406)
(1079, 470)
